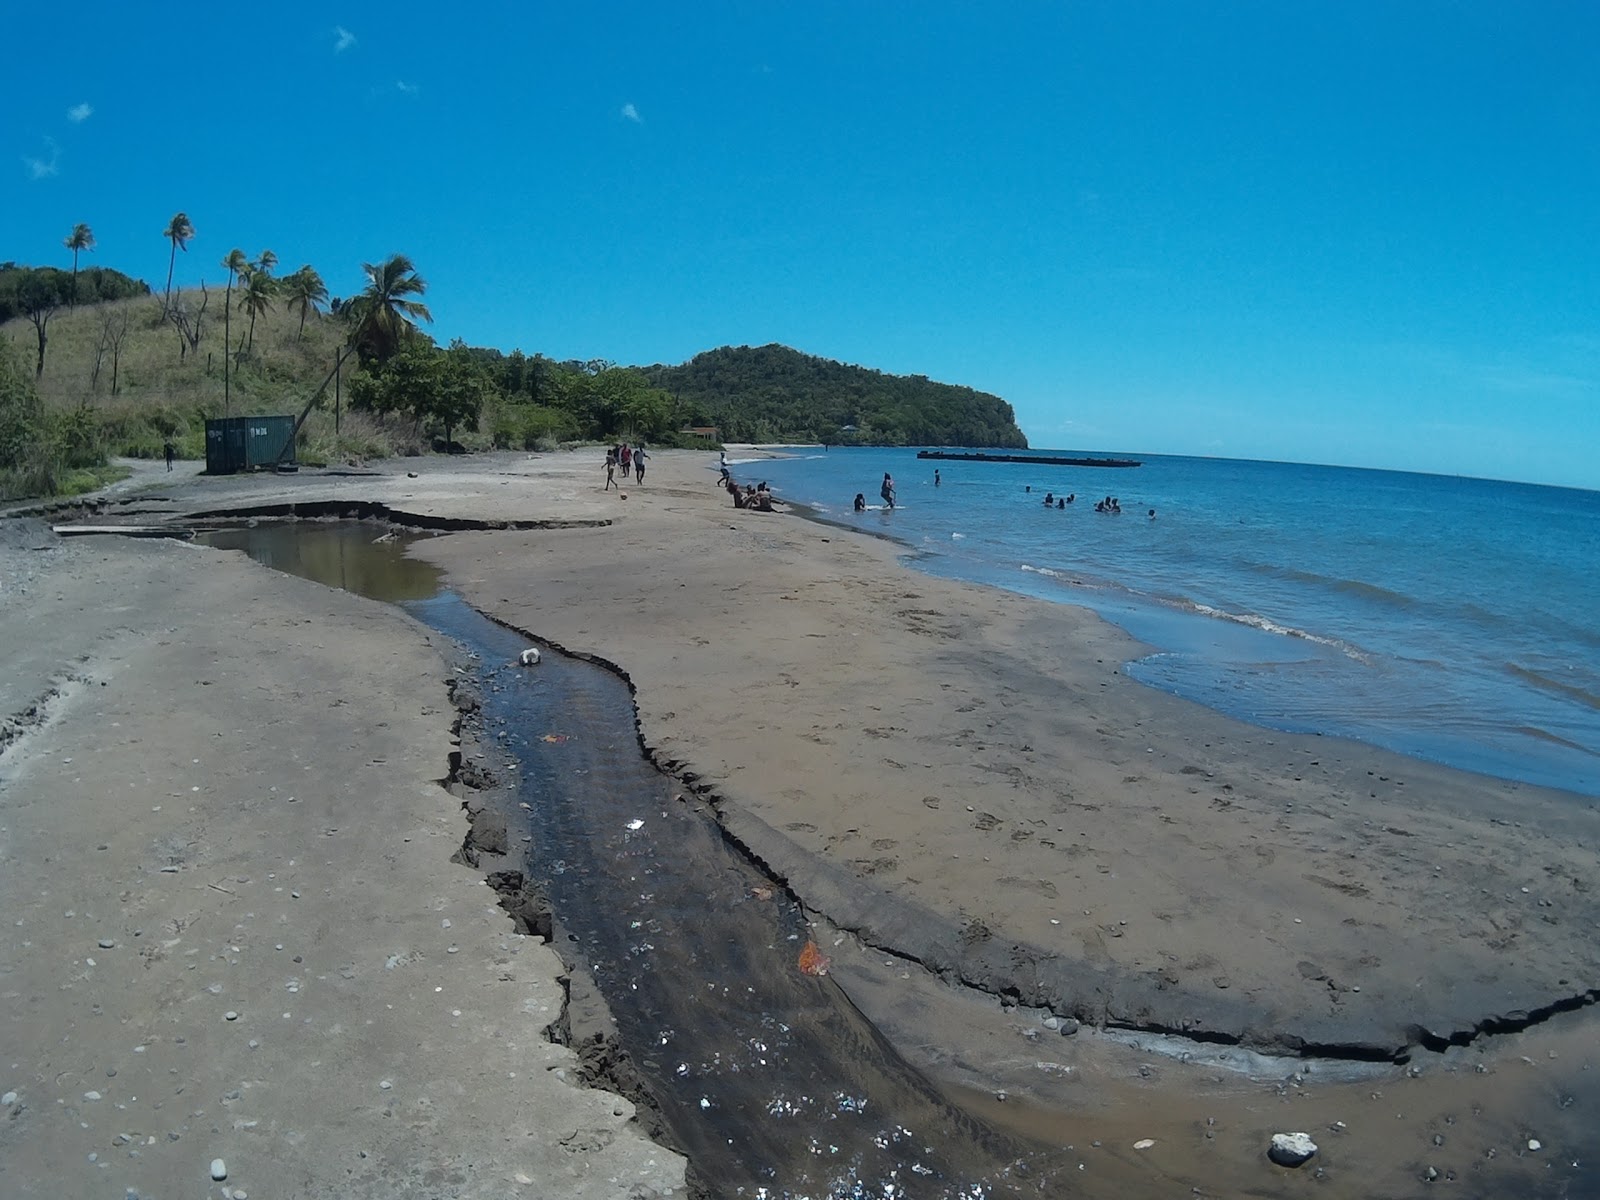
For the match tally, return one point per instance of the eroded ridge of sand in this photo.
(234, 931)
(964, 775)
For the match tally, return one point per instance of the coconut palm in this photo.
(236, 264)
(81, 238)
(385, 310)
(255, 298)
(179, 230)
(306, 289)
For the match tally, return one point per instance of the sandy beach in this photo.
(989, 823)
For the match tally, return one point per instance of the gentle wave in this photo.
(1253, 620)
(1545, 683)
(1349, 587)
(1544, 735)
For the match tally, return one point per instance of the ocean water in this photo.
(1452, 619)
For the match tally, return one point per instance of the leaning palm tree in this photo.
(385, 311)
(306, 289)
(255, 298)
(179, 230)
(81, 238)
(266, 262)
(236, 264)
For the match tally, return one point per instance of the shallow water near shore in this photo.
(1456, 620)
(776, 1086)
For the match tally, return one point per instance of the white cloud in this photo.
(408, 89)
(632, 114)
(343, 39)
(44, 168)
(79, 113)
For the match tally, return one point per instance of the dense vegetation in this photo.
(775, 394)
(95, 363)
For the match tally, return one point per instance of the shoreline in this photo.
(823, 694)
(1262, 670)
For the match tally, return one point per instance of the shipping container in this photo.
(244, 443)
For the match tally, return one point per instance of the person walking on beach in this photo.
(887, 490)
(611, 469)
(638, 463)
(625, 457)
(170, 451)
(936, 477)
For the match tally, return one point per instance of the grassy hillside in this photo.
(133, 372)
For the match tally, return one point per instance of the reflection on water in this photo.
(349, 555)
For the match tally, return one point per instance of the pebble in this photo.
(219, 1169)
(106, 944)
(1144, 1143)
(1535, 1144)
(91, 1095)
(230, 1015)
(385, 1085)
(8, 1098)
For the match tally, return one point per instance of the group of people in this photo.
(756, 496)
(1109, 505)
(886, 490)
(629, 458)
(1051, 500)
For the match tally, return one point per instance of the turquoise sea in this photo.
(1452, 619)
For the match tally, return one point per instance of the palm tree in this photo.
(266, 262)
(236, 264)
(305, 288)
(255, 298)
(179, 230)
(81, 238)
(385, 311)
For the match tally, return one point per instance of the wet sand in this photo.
(991, 824)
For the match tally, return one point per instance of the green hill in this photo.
(775, 394)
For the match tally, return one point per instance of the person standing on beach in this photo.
(170, 451)
(611, 469)
(625, 457)
(936, 477)
(887, 490)
(638, 463)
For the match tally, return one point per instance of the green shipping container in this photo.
(243, 443)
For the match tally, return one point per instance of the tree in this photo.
(236, 264)
(40, 292)
(179, 230)
(305, 288)
(385, 310)
(81, 238)
(255, 298)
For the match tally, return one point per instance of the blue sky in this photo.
(1360, 233)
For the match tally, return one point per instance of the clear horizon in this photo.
(1353, 234)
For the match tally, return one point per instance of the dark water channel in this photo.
(770, 1080)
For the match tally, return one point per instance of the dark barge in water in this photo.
(1041, 459)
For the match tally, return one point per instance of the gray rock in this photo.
(219, 1169)
(1069, 1026)
(1291, 1149)
(8, 1098)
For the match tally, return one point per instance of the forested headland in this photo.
(775, 394)
(95, 364)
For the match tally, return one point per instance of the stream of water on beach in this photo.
(770, 1080)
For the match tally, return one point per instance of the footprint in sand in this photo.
(931, 801)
